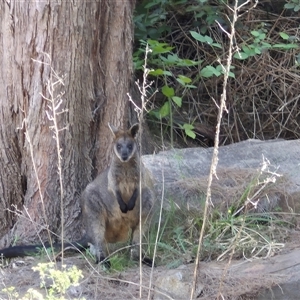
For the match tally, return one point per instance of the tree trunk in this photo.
(88, 44)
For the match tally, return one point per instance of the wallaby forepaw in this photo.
(124, 208)
(105, 262)
(134, 255)
(131, 205)
(132, 200)
(122, 204)
(148, 262)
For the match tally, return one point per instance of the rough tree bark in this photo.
(90, 45)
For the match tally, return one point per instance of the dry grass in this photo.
(229, 190)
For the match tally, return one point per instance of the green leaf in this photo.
(240, 55)
(188, 129)
(185, 79)
(208, 39)
(159, 72)
(173, 58)
(231, 74)
(170, 59)
(197, 36)
(289, 5)
(248, 51)
(202, 38)
(190, 86)
(181, 81)
(150, 4)
(257, 50)
(159, 48)
(209, 71)
(217, 45)
(219, 68)
(188, 126)
(255, 33)
(266, 45)
(155, 113)
(190, 133)
(156, 72)
(164, 110)
(284, 35)
(168, 73)
(188, 62)
(206, 72)
(262, 36)
(177, 100)
(168, 91)
(286, 46)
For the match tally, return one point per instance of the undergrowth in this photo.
(251, 225)
(189, 43)
(53, 282)
(261, 235)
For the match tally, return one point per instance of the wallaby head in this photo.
(124, 142)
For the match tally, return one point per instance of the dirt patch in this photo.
(100, 284)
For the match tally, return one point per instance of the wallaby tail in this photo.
(30, 250)
(20, 251)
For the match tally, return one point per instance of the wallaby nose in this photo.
(124, 155)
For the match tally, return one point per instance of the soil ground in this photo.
(100, 284)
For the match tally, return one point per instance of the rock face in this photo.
(176, 284)
(281, 274)
(181, 176)
(183, 172)
(285, 265)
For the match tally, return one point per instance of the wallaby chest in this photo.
(124, 178)
(126, 183)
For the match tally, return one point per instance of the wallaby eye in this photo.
(118, 147)
(129, 147)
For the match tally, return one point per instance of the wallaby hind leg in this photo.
(98, 243)
(95, 225)
(135, 249)
(97, 246)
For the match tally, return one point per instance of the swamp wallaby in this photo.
(110, 204)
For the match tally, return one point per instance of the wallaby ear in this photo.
(113, 129)
(134, 130)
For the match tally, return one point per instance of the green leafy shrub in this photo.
(189, 44)
(293, 4)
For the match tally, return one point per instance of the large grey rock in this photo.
(280, 274)
(176, 283)
(287, 266)
(183, 172)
